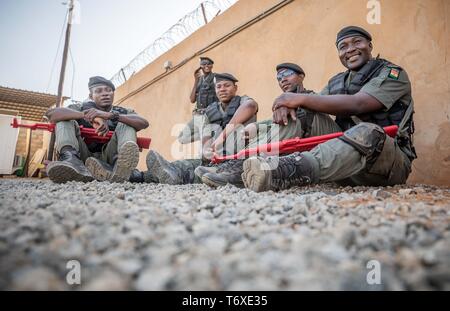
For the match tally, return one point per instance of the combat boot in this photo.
(228, 172)
(126, 161)
(277, 173)
(202, 170)
(137, 176)
(142, 177)
(149, 177)
(69, 167)
(100, 170)
(164, 171)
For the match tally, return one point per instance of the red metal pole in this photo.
(290, 145)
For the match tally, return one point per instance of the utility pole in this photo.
(204, 13)
(123, 73)
(64, 59)
(62, 75)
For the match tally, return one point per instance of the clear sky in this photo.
(110, 34)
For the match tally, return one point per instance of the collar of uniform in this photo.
(300, 89)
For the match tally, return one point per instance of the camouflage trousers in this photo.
(337, 161)
(334, 160)
(267, 132)
(68, 134)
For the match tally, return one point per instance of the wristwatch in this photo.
(115, 116)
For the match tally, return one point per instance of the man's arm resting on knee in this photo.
(63, 114)
(356, 104)
(244, 113)
(133, 120)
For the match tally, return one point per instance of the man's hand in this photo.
(280, 116)
(288, 100)
(217, 144)
(207, 153)
(91, 114)
(207, 150)
(100, 126)
(197, 73)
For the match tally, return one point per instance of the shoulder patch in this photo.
(394, 73)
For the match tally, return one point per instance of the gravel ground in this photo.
(158, 237)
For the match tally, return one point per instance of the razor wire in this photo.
(177, 33)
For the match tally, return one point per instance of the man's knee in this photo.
(366, 138)
(187, 134)
(122, 127)
(185, 140)
(64, 129)
(70, 124)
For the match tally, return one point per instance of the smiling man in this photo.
(299, 122)
(113, 161)
(371, 94)
(203, 92)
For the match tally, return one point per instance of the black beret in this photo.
(207, 58)
(224, 76)
(97, 80)
(351, 31)
(291, 66)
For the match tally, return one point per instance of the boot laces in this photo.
(64, 156)
(230, 166)
(68, 155)
(289, 173)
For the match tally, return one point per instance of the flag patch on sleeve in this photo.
(394, 73)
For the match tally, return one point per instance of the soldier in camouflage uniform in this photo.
(114, 161)
(371, 94)
(299, 123)
(221, 120)
(203, 94)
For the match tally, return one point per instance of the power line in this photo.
(57, 52)
(73, 72)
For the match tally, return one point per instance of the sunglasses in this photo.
(284, 74)
(205, 63)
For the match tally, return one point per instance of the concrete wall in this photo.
(413, 34)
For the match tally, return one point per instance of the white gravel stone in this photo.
(190, 237)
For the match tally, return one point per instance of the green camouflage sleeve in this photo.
(389, 86)
(245, 98)
(325, 91)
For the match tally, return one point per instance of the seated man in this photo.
(113, 161)
(299, 123)
(371, 94)
(203, 94)
(223, 116)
